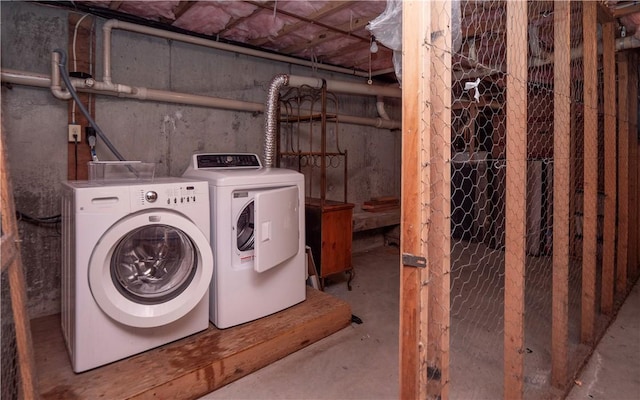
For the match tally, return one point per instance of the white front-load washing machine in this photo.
(257, 236)
(136, 266)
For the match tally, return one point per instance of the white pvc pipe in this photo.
(141, 93)
(380, 107)
(346, 87)
(625, 43)
(23, 78)
(116, 24)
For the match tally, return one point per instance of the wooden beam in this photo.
(619, 12)
(439, 223)
(610, 156)
(80, 35)
(561, 192)
(191, 367)
(182, 8)
(12, 264)
(633, 187)
(416, 17)
(634, 236)
(115, 5)
(330, 8)
(623, 173)
(515, 199)
(590, 198)
(604, 14)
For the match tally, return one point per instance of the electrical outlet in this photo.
(75, 129)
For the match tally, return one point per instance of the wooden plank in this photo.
(561, 193)
(80, 60)
(590, 218)
(12, 265)
(626, 10)
(416, 76)
(191, 367)
(623, 173)
(515, 199)
(438, 228)
(604, 14)
(610, 176)
(363, 221)
(634, 187)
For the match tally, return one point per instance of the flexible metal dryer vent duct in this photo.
(271, 117)
(273, 100)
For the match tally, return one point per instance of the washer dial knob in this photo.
(151, 196)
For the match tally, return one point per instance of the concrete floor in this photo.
(361, 361)
(613, 372)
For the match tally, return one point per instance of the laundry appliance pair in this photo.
(148, 262)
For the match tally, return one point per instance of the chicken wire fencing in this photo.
(510, 287)
(9, 373)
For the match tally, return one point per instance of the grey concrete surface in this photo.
(613, 371)
(358, 362)
(361, 361)
(167, 134)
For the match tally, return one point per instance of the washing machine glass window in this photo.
(153, 264)
(245, 228)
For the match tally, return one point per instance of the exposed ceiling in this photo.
(335, 32)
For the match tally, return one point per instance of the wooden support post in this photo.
(416, 26)
(623, 173)
(590, 199)
(12, 264)
(634, 236)
(610, 156)
(80, 59)
(515, 199)
(561, 190)
(439, 224)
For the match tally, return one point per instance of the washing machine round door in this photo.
(150, 269)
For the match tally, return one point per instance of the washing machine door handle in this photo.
(277, 227)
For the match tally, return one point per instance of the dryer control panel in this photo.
(223, 160)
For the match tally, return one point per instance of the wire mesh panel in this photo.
(518, 154)
(478, 202)
(10, 382)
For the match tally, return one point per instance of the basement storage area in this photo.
(468, 198)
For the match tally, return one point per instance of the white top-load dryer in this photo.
(257, 236)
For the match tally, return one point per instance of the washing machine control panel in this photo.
(174, 195)
(222, 160)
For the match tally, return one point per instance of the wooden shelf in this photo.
(191, 367)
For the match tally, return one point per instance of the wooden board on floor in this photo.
(363, 221)
(191, 367)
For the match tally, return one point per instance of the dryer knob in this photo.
(151, 196)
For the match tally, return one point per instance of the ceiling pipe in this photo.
(380, 107)
(117, 24)
(625, 43)
(140, 93)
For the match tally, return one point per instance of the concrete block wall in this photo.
(34, 123)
